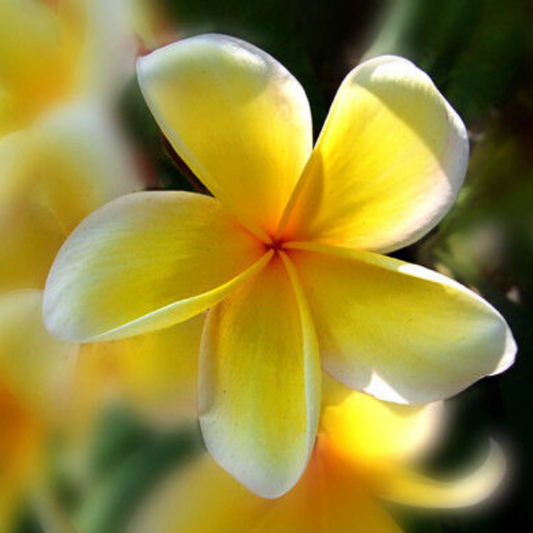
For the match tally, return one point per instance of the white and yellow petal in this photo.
(366, 430)
(399, 331)
(388, 165)
(81, 162)
(146, 261)
(259, 383)
(155, 374)
(107, 54)
(53, 175)
(202, 498)
(237, 117)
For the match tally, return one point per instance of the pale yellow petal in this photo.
(34, 366)
(156, 374)
(202, 498)
(146, 261)
(52, 176)
(107, 53)
(399, 331)
(259, 383)
(236, 116)
(37, 51)
(366, 430)
(30, 239)
(410, 488)
(81, 162)
(388, 165)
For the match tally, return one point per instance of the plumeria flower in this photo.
(366, 451)
(287, 256)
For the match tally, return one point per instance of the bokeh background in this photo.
(479, 53)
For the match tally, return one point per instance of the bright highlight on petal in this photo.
(259, 388)
(237, 117)
(147, 261)
(388, 165)
(366, 430)
(399, 331)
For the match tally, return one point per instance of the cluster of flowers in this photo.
(316, 365)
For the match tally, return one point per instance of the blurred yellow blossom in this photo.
(366, 449)
(52, 388)
(287, 254)
(61, 154)
(56, 51)
(53, 175)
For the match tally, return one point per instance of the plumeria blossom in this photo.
(287, 256)
(366, 450)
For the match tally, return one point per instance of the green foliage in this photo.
(127, 460)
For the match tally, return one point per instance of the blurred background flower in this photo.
(363, 451)
(100, 428)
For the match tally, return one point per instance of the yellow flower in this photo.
(365, 450)
(285, 254)
(52, 51)
(52, 176)
(60, 156)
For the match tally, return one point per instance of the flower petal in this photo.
(366, 429)
(83, 163)
(398, 331)
(202, 498)
(181, 503)
(107, 57)
(156, 373)
(388, 165)
(68, 164)
(34, 366)
(259, 393)
(410, 488)
(146, 261)
(36, 70)
(237, 117)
